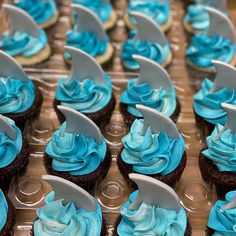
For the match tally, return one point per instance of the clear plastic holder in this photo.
(28, 192)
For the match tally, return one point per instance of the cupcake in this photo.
(196, 20)
(44, 13)
(207, 101)
(20, 99)
(222, 217)
(7, 219)
(159, 11)
(24, 41)
(103, 9)
(216, 160)
(153, 147)
(14, 152)
(77, 151)
(153, 88)
(88, 35)
(216, 44)
(148, 41)
(152, 210)
(69, 210)
(88, 89)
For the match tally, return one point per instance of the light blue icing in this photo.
(84, 96)
(10, 148)
(203, 49)
(144, 94)
(159, 12)
(23, 44)
(208, 104)
(86, 41)
(221, 149)
(16, 96)
(100, 7)
(4, 210)
(223, 222)
(151, 153)
(41, 11)
(58, 219)
(198, 17)
(133, 46)
(150, 220)
(74, 153)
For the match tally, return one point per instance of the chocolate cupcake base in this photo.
(30, 114)
(16, 168)
(99, 117)
(188, 231)
(87, 181)
(129, 118)
(223, 181)
(170, 179)
(206, 128)
(209, 231)
(104, 231)
(8, 229)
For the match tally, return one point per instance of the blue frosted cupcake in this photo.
(24, 40)
(158, 11)
(44, 12)
(103, 9)
(57, 218)
(220, 220)
(7, 219)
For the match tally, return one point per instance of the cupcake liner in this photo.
(30, 114)
(205, 127)
(223, 181)
(104, 231)
(170, 179)
(99, 117)
(129, 118)
(16, 168)
(8, 229)
(87, 181)
(188, 231)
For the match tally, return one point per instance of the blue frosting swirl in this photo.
(100, 7)
(221, 149)
(153, 51)
(74, 153)
(23, 44)
(10, 148)
(86, 41)
(203, 49)
(223, 222)
(41, 11)
(84, 96)
(151, 153)
(4, 210)
(144, 94)
(16, 96)
(151, 220)
(55, 218)
(159, 12)
(198, 17)
(208, 104)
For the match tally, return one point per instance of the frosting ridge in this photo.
(144, 94)
(84, 96)
(208, 104)
(151, 220)
(74, 153)
(151, 153)
(56, 218)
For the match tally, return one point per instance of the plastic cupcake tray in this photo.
(27, 192)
